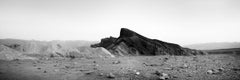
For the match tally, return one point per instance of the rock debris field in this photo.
(199, 67)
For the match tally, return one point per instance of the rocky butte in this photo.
(132, 43)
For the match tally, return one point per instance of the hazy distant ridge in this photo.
(218, 45)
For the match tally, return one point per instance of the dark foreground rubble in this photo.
(200, 67)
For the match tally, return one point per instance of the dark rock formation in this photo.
(132, 43)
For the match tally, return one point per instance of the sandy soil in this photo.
(226, 67)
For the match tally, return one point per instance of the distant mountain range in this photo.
(213, 46)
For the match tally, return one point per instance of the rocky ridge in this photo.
(132, 43)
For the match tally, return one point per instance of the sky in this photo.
(178, 21)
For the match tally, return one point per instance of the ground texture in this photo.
(200, 67)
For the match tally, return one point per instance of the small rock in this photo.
(88, 73)
(236, 69)
(100, 74)
(56, 70)
(210, 72)
(220, 69)
(116, 62)
(94, 68)
(189, 75)
(45, 72)
(96, 65)
(214, 71)
(67, 66)
(168, 68)
(136, 72)
(54, 65)
(174, 77)
(164, 76)
(165, 59)
(153, 65)
(94, 62)
(110, 75)
(75, 63)
(157, 73)
(184, 66)
(195, 59)
(38, 68)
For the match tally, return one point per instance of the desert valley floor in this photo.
(200, 67)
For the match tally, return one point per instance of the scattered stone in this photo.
(94, 68)
(110, 75)
(195, 59)
(184, 66)
(153, 64)
(163, 76)
(136, 72)
(94, 62)
(54, 65)
(116, 62)
(157, 73)
(168, 68)
(56, 70)
(15, 59)
(96, 65)
(88, 73)
(45, 72)
(67, 67)
(165, 59)
(75, 63)
(220, 69)
(38, 68)
(174, 76)
(100, 74)
(215, 71)
(210, 72)
(189, 75)
(236, 69)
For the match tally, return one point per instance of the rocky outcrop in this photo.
(7, 53)
(69, 49)
(132, 43)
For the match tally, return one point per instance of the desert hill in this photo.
(132, 43)
(7, 53)
(72, 49)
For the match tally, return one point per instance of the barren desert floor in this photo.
(200, 67)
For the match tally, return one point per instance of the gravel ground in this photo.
(201, 67)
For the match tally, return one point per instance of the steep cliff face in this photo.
(132, 43)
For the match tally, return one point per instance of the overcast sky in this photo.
(177, 21)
